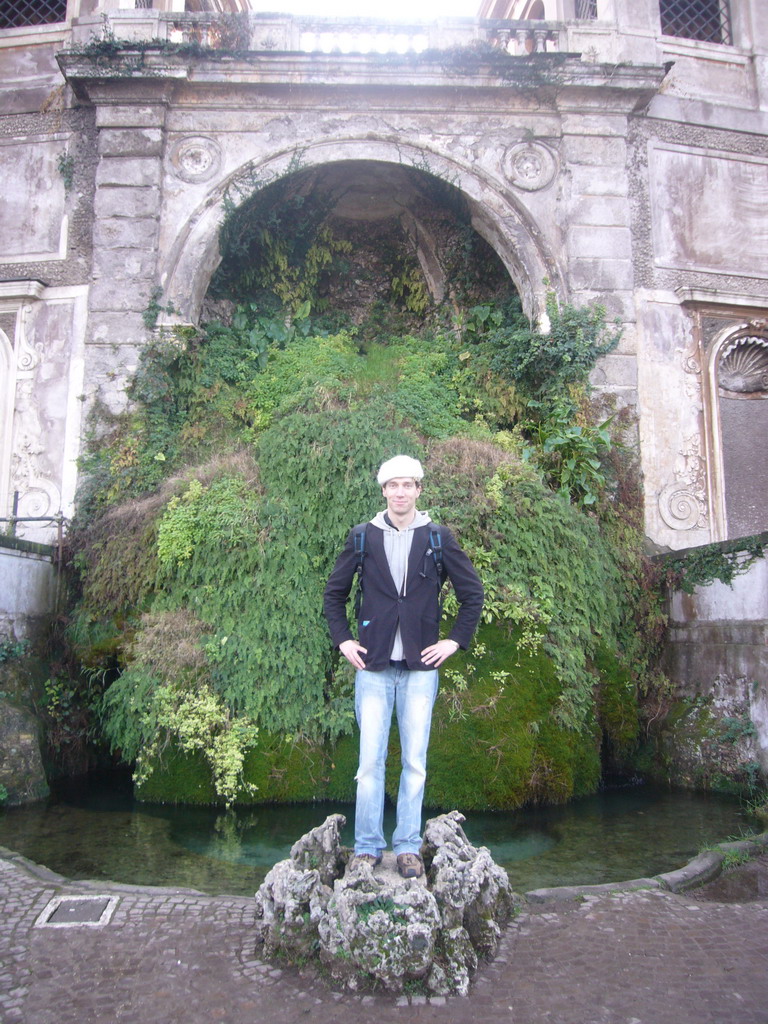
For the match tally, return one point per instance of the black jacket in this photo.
(417, 612)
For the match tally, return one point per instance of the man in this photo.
(401, 557)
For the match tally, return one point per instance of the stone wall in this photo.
(718, 644)
(633, 174)
(21, 769)
(29, 588)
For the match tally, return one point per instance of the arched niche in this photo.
(497, 217)
(737, 399)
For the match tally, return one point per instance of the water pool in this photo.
(95, 829)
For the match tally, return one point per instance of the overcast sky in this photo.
(425, 10)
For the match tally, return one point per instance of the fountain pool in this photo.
(95, 829)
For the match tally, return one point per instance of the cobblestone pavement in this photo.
(645, 957)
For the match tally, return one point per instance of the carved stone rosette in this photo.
(530, 166)
(195, 158)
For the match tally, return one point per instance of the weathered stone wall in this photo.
(29, 588)
(718, 652)
(47, 163)
(21, 767)
(634, 175)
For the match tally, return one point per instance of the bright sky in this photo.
(423, 10)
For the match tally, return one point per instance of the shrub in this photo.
(205, 597)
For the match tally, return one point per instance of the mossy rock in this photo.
(617, 702)
(512, 752)
(505, 749)
(180, 778)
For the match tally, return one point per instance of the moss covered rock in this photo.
(493, 746)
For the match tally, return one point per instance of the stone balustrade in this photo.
(288, 33)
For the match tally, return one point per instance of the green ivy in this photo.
(722, 561)
(570, 453)
(277, 242)
(546, 364)
(11, 648)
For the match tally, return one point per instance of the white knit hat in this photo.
(400, 465)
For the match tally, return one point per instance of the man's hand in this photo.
(352, 650)
(436, 654)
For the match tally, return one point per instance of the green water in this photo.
(98, 831)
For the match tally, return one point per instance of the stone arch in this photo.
(534, 11)
(497, 216)
(736, 410)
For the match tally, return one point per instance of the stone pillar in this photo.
(598, 235)
(125, 244)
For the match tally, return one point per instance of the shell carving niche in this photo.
(743, 367)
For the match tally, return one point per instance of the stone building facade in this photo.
(623, 161)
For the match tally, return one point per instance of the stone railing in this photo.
(293, 34)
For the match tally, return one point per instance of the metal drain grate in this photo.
(77, 912)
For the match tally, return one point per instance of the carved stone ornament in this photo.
(692, 363)
(40, 498)
(530, 166)
(679, 507)
(29, 355)
(743, 366)
(195, 158)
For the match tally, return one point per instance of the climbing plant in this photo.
(723, 561)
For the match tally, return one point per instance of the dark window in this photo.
(706, 20)
(18, 13)
(586, 10)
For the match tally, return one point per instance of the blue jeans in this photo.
(413, 695)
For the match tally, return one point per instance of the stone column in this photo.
(598, 235)
(125, 245)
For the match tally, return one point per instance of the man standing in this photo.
(402, 558)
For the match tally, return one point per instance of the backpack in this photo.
(435, 549)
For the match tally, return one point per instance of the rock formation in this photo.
(367, 926)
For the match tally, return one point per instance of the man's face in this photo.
(401, 495)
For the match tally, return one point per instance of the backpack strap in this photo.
(436, 543)
(359, 537)
(436, 550)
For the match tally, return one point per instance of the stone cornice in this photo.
(23, 290)
(560, 81)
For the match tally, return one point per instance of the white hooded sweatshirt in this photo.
(397, 547)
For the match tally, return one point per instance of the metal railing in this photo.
(58, 519)
(586, 10)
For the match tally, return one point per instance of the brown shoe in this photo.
(410, 865)
(364, 858)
